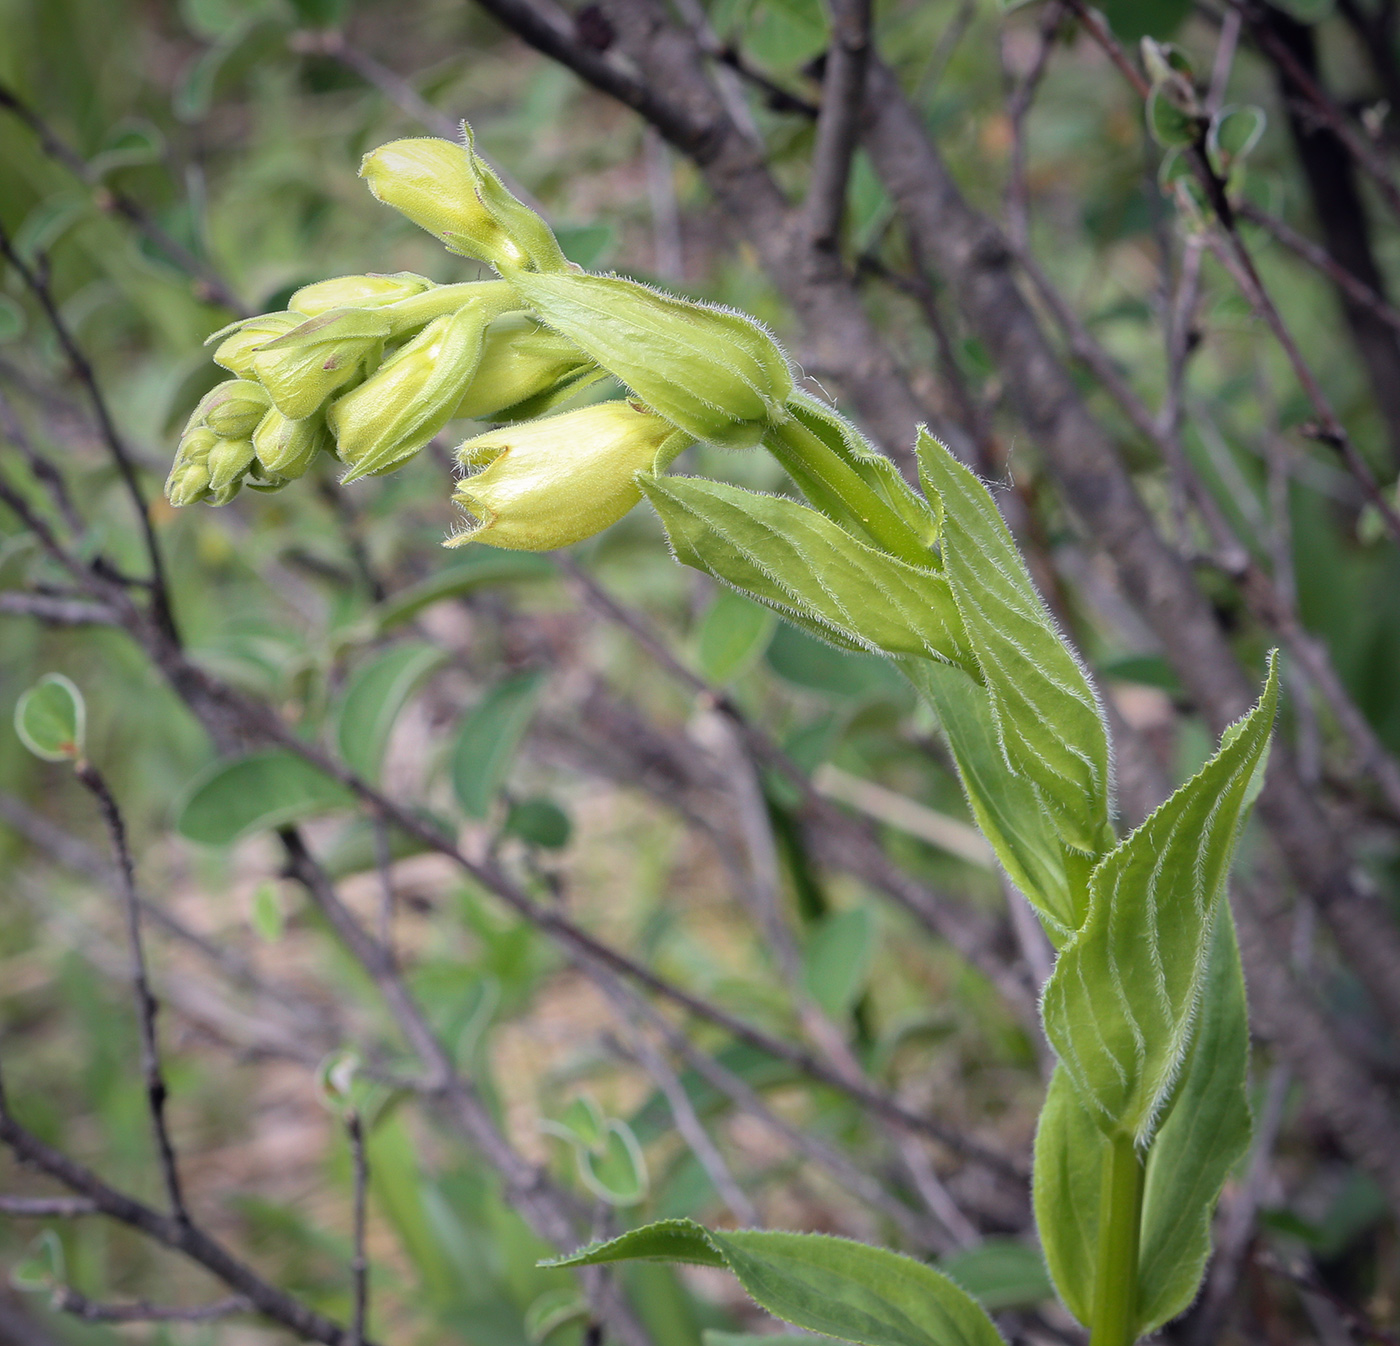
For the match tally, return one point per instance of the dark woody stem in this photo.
(838, 490)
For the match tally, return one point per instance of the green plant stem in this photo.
(835, 487)
(493, 296)
(1120, 1225)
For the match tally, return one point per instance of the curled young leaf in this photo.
(1121, 1007)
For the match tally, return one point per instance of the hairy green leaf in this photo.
(797, 561)
(830, 1285)
(233, 799)
(1204, 1134)
(1047, 715)
(487, 741)
(372, 702)
(1005, 805)
(1122, 1003)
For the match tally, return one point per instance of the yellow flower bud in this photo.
(370, 291)
(239, 340)
(523, 367)
(189, 474)
(447, 190)
(229, 459)
(413, 394)
(553, 482)
(232, 409)
(306, 365)
(716, 374)
(287, 448)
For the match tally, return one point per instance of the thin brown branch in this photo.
(67, 1300)
(1232, 254)
(47, 1207)
(157, 1092)
(178, 1235)
(1320, 103)
(212, 286)
(1321, 260)
(37, 284)
(688, 1123)
(551, 1212)
(58, 611)
(843, 88)
(359, 1263)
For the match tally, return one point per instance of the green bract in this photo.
(412, 395)
(717, 375)
(306, 365)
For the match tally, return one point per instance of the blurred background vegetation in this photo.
(502, 694)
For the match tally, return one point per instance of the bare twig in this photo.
(1319, 258)
(178, 1235)
(1329, 430)
(1319, 101)
(146, 1004)
(1234, 255)
(116, 446)
(67, 1300)
(57, 611)
(212, 286)
(688, 1123)
(46, 1207)
(1017, 189)
(843, 88)
(1308, 1281)
(359, 1263)
(548, 1210)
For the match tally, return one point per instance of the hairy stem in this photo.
(1120, 1224)
(837, 489)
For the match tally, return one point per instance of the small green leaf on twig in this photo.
(51, 719)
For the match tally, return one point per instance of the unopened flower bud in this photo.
(552, 482)
(306, 365)
(232, 409)
(229, 459)
(189, 474)
(413, 394)
(370, 291)
(716, 374)
(287, 448)
(523, 367)
(239, 340)
(447, 190)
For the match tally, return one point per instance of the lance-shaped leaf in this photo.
(830, 1285)
(800, 563)
(1005, 805)
(1122, 1003)
(372, 702)
(1047, 715)
(1204, 1134)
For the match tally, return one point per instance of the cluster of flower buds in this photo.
(370, 368)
